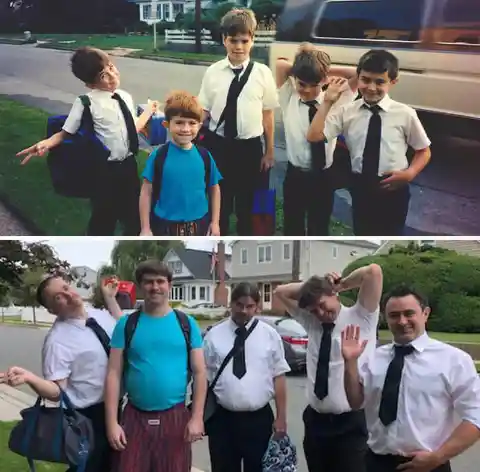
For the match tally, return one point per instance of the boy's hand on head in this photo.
(213, 229)
(37, 150)
(336, 86)
(153, 106)
(146, 232)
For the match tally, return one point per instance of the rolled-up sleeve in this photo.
(333, 124)
(279, 364)
(210, 358)
(465, 390)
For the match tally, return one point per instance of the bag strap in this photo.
(241, 83)
(158, 165)
(102, 336)
(130, 327)
(208, 165)
(231, 354)
(87, 118)
(184, 322)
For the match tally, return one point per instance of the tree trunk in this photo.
(296, 260)
(34, 315)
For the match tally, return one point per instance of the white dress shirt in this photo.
(336, 401)
(439, 388)
(108, 121)
(259, 94)
(264, 358)
(296, 123)
(401, 128)
(72, 351)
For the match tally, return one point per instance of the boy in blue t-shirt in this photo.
(175, 199)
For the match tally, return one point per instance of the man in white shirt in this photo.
(238, 118)
(421, 396)
(335, 436)
(74, 357)
(243, 421)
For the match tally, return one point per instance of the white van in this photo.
(436, 41)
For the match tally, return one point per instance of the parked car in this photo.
(294, 336)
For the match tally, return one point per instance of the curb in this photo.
(21, 400)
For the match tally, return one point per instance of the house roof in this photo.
(199, 262)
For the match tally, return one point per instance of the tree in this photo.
(18, 257)
(451, 282)
(25, 293)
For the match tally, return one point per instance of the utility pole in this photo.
(222, 292)
(198, 26)
(296, 260)
(154, 17)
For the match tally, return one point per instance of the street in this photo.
(445, 198)
(22, 346)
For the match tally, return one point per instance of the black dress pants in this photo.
(234, 437)
(335, 442)
(378, 212)
(116, 199)
(100, 458)
(238, 160)
(389, 463)
(307, 196)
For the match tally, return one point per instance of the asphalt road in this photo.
(446, 197)
(22, 346)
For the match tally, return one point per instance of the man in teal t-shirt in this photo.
(157, 429)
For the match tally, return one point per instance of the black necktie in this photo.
(129, 121)
(317, 149)
(391, 388)
(230, 114)
(239, 363)
(371, 151)
(321, 379)
(100, 333)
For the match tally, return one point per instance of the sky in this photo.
(95, 252)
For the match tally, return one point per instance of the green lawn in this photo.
(445, 337)
(10, 462)
(28, 187)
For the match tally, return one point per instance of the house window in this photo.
(244, 256)
(202, 293)
(177, 8)
(334, 252)
(287, 251)
(208, 293)
(194, 293)
(147, 12)
(379, 20)
(264, 254)
(267, 293)
(176, 293)
(166, 11)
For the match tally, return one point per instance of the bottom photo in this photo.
(203, 355)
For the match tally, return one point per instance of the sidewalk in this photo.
(12, 401)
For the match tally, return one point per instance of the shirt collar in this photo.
(235, 326)
(229, 65)
(384, 103)
(420, 343)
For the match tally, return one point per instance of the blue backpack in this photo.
(75, 164)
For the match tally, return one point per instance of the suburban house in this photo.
(166, 10)
(194, 281)
(270, 263)
(469, 248)
(86, 278)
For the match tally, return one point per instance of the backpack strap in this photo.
(130, 327)
(208, 165)
(158, 165)
(184, 322)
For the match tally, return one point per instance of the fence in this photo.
(262, 38)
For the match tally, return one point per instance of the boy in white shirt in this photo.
(116, 183)
(378, 132)
(308, 188)
(239, 98)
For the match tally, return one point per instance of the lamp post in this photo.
(154, 19)
(198, 26)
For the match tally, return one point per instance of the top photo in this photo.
(244, 118)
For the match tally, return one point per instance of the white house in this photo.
(166, 10)
(86, 278)
(194, 282)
